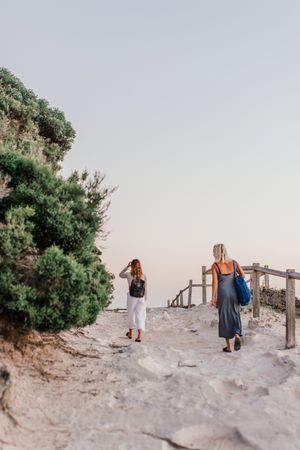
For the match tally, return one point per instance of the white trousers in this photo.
(136, 309)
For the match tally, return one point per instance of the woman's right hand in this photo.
(214, 302)
(129, 264)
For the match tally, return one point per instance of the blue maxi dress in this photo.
(228, 306)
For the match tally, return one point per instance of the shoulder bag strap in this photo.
(234, 267)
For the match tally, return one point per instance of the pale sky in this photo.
(191, 107)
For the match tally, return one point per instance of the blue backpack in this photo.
(242, 290)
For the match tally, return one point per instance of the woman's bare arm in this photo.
(214, 285)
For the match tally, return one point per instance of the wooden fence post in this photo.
(256, 293)
(251, 285)
(290, 310)
(190, 293)
(267, 279)
(181, 299)
(204, 297)
(177, 300)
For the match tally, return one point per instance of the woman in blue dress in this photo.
(224, 297)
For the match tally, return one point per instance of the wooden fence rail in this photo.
(256, 272)
(178, 300)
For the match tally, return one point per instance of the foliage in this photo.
(51, 274)
(29, 125)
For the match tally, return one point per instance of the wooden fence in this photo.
(256, 272)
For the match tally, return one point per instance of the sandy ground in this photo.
(93, 388)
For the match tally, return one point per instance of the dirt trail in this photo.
(93, 388)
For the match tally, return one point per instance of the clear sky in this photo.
(191, 107)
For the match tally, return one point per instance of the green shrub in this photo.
(67, 297)
(29, 125)
(51, 274)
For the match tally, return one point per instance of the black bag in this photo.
(137, 288)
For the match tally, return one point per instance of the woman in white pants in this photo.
(136, 297)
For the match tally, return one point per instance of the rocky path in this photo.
(93, 388)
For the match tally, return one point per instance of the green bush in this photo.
(63, 215)
(66, 298)
(51, 274)
(29, 125)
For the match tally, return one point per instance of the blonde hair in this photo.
(136, 269)
(220, 253)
